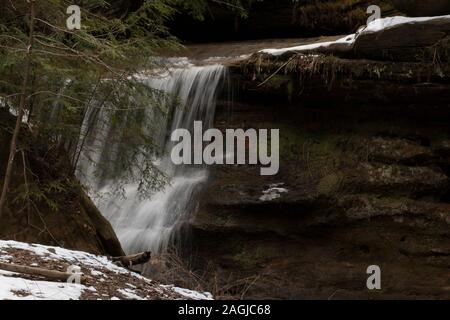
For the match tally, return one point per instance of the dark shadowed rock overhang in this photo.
(364, 157)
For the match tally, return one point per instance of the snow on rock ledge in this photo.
(347, 42)
(344, 42)
(390, 22)
(104, 280)
(273, 192)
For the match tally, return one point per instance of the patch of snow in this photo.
(14, 288)
(97, 273)
(189, 294)
(273, 192)
(92, 289)
(130, 294)
(347, 40)
(279, 184)
(375, 26)
(49, 253)
(389, 22)
(5, 257)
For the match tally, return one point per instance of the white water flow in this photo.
(150, 224)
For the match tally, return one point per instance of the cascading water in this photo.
(149, 224)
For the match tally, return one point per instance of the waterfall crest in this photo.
(149, 224)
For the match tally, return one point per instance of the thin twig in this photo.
(278, 70)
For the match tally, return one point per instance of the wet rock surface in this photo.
(406, 63)
(356, 197)
(364, 157)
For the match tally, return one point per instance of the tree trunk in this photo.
(51, 275)
(21, 111)
(132, 260)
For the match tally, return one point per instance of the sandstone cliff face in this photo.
(46, 204)
(365, 160)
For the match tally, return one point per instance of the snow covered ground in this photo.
(104, 279)
(348, 41)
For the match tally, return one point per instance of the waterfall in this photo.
(150, 224)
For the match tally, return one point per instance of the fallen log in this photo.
(132, 260)
(51, 275)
